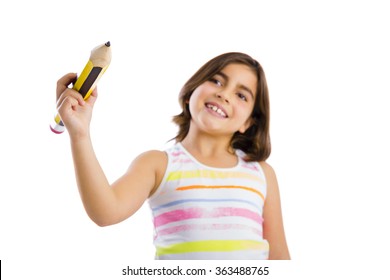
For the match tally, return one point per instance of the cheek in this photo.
(192, 99)
(193, 103)
(197, 97)
(203, 90)
(245, 110)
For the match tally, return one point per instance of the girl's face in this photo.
(224, 104)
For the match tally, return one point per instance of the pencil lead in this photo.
(108, 44)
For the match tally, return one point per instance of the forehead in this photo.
(241, 74)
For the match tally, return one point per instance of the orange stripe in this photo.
(219, 187)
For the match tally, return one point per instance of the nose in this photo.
(223, 96)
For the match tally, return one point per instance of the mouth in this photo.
(217, 109)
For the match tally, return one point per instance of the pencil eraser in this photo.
(57, 128)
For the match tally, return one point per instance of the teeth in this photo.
(216, 109)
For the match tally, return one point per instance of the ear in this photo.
(249, 122)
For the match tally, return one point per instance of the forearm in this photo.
(95, 191)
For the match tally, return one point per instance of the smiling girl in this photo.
(212, 195)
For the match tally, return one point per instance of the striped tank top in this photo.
(201, 212)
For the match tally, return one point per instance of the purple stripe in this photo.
(198, 213)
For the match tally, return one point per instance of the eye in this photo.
(216, 81)
(242, 96)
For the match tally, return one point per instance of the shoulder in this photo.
(269, 172)
(152, 158)
(153, 154)
(270, 176)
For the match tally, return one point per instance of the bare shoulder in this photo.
(154, 156)
(154, 160)
(269, 173)
(271, 181)
(266, 167)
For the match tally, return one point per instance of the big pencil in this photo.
(98, 63)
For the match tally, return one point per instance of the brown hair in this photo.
(255, 142)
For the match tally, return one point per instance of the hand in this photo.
(75, 113)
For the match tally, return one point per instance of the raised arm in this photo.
(104, 204)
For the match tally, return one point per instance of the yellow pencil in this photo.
(98, 63)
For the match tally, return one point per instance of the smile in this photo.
(215, 108)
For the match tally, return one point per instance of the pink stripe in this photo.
(180, 228)
(175, 153)
(252, 167)
(180, 160)
(197, 213)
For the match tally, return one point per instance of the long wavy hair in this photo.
(255, 142)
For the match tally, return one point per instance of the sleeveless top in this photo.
(202, 212)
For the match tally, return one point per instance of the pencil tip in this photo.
(108, 44)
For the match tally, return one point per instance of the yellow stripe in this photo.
(83, 76)
(219, 187)
(57, 119)
(212, 246)
(212, 174)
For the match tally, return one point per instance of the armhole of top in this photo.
(161, 185)
(261, 170)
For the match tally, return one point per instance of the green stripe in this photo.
(212, 246)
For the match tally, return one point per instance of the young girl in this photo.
(211, 194)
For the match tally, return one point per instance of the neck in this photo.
(207, 145)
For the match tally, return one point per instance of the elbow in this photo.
(102, 221)
(102, 216)
(106, 217)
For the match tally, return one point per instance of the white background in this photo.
(327, 65)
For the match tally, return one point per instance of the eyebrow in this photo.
(240, 86)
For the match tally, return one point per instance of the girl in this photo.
(212, 195)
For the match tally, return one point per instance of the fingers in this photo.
(69, 99)
(72, 94)
(68, 103)
(64, 82)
